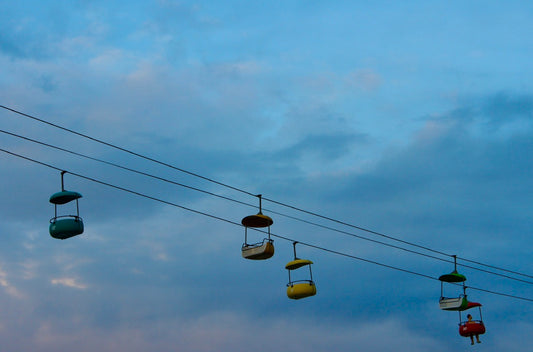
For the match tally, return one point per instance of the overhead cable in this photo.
(251, 205)
(240, 225)
(252, 194)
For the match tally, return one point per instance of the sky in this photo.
(397, 123)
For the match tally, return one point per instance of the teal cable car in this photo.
(260, 250)
(297, 289)
(65, 226)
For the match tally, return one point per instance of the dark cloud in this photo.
(10, 47)
(34, 34)
(504, 107)
(449, 183)
(325, 148)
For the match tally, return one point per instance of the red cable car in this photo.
(470, 327)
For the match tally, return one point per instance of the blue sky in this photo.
(413, 120)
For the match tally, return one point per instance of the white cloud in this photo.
(69, 282)
(29, 269)
(9, 288)
(434, 130)
(364, 79)
(110, 58)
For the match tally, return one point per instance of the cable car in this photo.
(470, 327)
(453, 303)
(65, 226)
(297, 289)
(260, 250)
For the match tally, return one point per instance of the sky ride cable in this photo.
(267, 199)
(125, 150)
(251, 205)
(240, 225)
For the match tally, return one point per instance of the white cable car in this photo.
(453, 303)
(259, 250)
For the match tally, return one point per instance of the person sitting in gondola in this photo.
(470, 321)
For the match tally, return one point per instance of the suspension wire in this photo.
(211, 193)
(408, 271)
(251, 205)
(500, 294)
(267, 199)
(240, 225)
(207, 192)
(415, 252)
(126, 150)
(357, 227)
(410, 243)
(125, 168)
(357, 258)
(490, 266)
(121, 188)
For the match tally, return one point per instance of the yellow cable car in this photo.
(297, 289)
(260, 250)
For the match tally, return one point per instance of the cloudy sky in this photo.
(411, 120)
